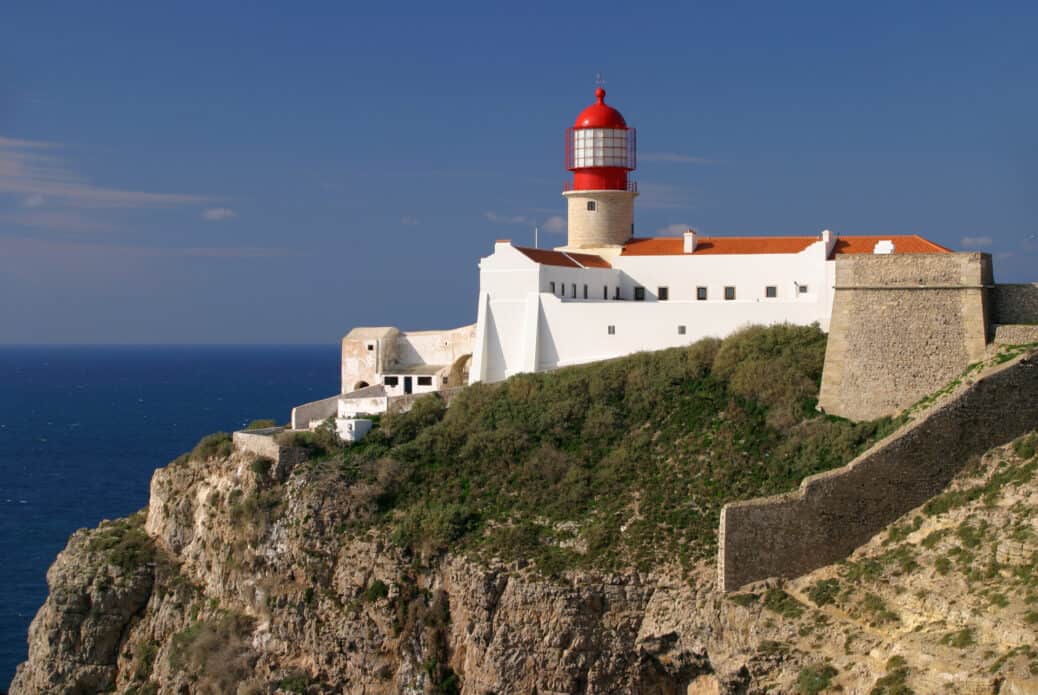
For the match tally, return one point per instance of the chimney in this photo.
(829, 240)
(689, 244)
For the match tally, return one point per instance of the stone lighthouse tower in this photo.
(600, 150)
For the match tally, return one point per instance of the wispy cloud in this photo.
(25, 247)
(672, 230)
(506, 219)
(218, 214)
(408, 220)
(975, 242)
(673, 158)
(664, 196)
(33, 169)
(555, 224)
(56, 221)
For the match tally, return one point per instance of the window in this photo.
(425, 381)
(729, 292)
(552, 286)
(446, 380)
(681, 330)
(585, 291)
(605, 292)
(803, 289)
(617, 295)
(371, 346)
(391, 380)
(663, 293)
(701, 293)
(573, 291)
(590, 206)
(770, 291)
(611, 330)
(639, 294)
(562, 289)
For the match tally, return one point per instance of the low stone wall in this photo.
(323, 409)
(1015, 303)
(1016, 335)
(835, 512)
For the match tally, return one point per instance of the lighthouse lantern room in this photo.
(600, 151)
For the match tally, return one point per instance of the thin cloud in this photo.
(664, 196)
(506, 219)
(218, 214)
(673, 158)
(555, 224)
(408, 220)
(34, 201)
(25, 247)
(975, 242)
(56, 221)
(32, 168)
(673, 230)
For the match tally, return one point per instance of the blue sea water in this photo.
(82, 429)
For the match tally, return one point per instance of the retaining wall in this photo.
(323, 409)
(901, 328)
(835, 512)
(1016, 303)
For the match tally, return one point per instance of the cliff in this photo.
(314, 575)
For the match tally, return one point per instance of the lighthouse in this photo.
(600, 151)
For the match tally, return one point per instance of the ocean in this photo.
(82, 428)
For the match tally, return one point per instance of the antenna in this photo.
(535, 245)
(599, 81)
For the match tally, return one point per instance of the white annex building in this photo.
(606, 293)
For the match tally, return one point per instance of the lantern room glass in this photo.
(600, 147)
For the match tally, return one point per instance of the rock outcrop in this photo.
(243, 577)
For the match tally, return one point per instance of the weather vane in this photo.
(599, 80)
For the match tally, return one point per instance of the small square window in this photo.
(701, 293)
(446, 380)
(663, 293)
(729, 292)
(611, 330)
(770, 291)
(639, 294)
(371, 346)
(681, 330)
(590, 206)
(803, 289)
(390, 380)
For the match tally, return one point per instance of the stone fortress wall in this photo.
(835, 512)
(902, 327)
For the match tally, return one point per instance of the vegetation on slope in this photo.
(619, 463)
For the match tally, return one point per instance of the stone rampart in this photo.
(835, 512)
(902, 327)
(1016, 334)
(1016, 304)
(303, 415)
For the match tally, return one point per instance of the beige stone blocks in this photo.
(610, 222)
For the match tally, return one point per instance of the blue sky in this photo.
(279, 172)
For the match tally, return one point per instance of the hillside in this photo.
(554, 534)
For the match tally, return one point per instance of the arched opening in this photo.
(360, 385)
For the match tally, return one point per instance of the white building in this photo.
(606, 293)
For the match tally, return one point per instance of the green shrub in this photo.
(261, 467)
(215, 653)
(376, 590)
(895, 680)
(814, 679)
(824, 591)
(123, 542)
(782, 603)
(959, 639)
(261, 424)
(216, 445)
(1025, 446)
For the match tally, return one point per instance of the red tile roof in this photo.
(563, 259)
(706, 246)
(905, 243)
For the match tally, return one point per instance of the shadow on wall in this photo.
(835, 512)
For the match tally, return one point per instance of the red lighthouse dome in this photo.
(600, 148)
(599, 115)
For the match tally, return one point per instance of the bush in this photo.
(782, 603)
(123, 542)
(214, 652)
(261, 424)
(376, 590)
(261, 467)
(216, 445)
(824, 591)
(814, 679)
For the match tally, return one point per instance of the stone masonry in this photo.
(834, 512)
(902, 327)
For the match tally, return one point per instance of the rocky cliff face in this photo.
(242, 577)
